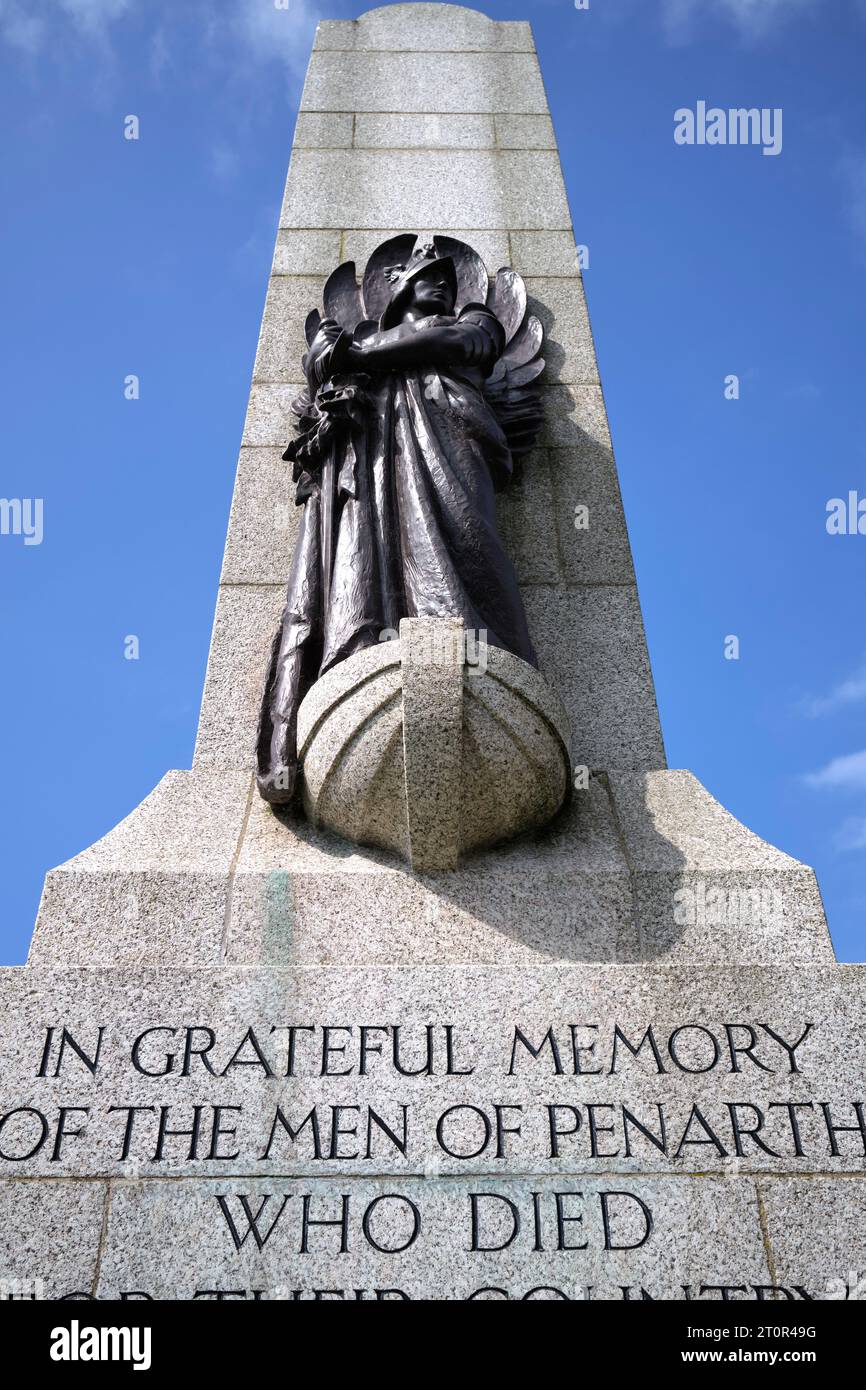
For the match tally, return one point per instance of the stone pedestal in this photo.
(432, 750)
(612, 1058)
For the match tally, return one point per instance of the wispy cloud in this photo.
(22, 31)
(851, 691)
(752, 18)
(272, 34)
(30, 33)
(847, 773)
(160, 54)
(248, 35)
(252, 31)
(94, 16)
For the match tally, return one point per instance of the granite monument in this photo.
(479, 1000)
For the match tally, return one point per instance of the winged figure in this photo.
(422, 389)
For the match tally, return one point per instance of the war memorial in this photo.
(430, 980)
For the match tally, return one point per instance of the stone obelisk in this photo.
(610, 1060)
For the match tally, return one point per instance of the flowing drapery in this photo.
(399, 522)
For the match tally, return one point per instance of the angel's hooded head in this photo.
(426, 284)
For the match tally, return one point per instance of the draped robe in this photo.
(400, 524)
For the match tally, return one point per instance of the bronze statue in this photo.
(422, 389)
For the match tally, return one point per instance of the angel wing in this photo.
(513, 388)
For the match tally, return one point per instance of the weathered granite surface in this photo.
(700, 1127)
(475, 1069)
(438, 1239)
(645, 1072)
(433, 745)
(432, 741)
(642, 866)
(49, 1237)
(357, 1239)
(360, 172)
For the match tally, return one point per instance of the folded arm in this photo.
(475, 339)
(439, 345)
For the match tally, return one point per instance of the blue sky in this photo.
(151, 257)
